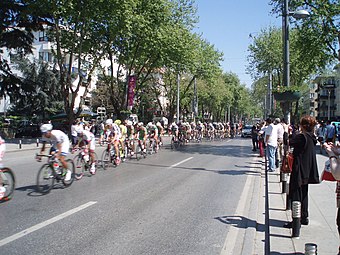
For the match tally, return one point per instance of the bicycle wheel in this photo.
(106, 159)
(79, 167)
(70, 166)
(45, 179)
(8, 182)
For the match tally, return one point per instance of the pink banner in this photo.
(131, 90)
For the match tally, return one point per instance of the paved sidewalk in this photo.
(321, 230)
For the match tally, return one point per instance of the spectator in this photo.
(254, 135)
(320, 134)
(330, 132)
(280, 132)
(305, 168)
(333, 153)
(271, 144)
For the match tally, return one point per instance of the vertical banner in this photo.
(131, 90)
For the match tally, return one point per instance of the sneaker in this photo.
(2, 192)
(68, 175)
(132, 153)
(144, 150)
(93, 169)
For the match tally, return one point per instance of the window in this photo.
(43, 36)
(312, 95)
(45, 56)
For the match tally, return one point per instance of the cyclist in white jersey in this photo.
(115, 135)
(60, 144)
(90, 143)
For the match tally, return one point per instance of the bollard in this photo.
(37, 142)
(288, 203)
(20, 144)
(311, 249)
(296, 215)
(284, 183)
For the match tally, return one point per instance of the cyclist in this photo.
(174, 130)
(114, 136)
(130, 135)
(88, 139)
(153, 133)
(2, 152)
(142, 135)
(160, 132)
(60, 145)
(123, 131)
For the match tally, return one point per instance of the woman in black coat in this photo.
(305, 168)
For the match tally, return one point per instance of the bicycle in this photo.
(109, 157)
(152, 148)
(140, 149)
(7, 180)
(83, 163)
(51, 172)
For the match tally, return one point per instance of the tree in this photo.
(17, 21)
(322, 28)
(38, 85)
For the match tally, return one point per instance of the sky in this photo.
(227, 24)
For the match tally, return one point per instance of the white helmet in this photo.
(109, 122)
(129, 123)
(45, 128)
(149, 124)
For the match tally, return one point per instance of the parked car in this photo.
(246, 131)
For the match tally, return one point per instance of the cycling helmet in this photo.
(129, 123)
(118, 122)
(109, 122)
(140, 124)
(45, 128)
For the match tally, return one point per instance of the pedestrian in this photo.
(330, 132)
(305, 168)
(271, 144)
(262, 131)
(320, 134)
(333, 153)
(279, 151)
(254, 137)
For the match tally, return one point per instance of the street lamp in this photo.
(300, 14)
(329, 88)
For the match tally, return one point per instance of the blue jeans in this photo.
(270, 151)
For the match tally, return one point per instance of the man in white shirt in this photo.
(271, 144)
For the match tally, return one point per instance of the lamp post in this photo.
(285, 29)
(286, 80)
(329, 88)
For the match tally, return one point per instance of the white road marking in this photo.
(44, 224)
(177, 164)
(230, 241)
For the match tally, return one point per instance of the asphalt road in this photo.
(173, 202)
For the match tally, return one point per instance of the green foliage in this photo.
(321, 29)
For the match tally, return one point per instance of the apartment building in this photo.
(328, 97)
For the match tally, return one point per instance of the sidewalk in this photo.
(322, 229)
(17, 144)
